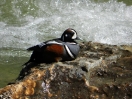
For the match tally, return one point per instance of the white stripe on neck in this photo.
(69, 52)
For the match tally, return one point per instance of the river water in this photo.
(24, 23)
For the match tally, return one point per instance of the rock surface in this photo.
(101, 71)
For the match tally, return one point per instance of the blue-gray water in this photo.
(24, 23)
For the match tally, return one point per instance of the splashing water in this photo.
(28, 22)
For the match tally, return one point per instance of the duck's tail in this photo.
(26, 69)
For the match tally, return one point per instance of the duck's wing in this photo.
(44, 44)
(36, 47)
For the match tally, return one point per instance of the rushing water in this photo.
(24, 23)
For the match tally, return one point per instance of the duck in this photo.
(60, 49)
(64, 48)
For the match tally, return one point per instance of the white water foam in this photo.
(108, 22)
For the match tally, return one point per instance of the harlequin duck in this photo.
(60, 49)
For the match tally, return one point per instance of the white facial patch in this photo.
(66, 35)
(75, 34)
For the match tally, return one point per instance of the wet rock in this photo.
(100, 72)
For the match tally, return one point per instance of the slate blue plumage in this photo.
(60, 49)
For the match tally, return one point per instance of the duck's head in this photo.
(69, 35)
